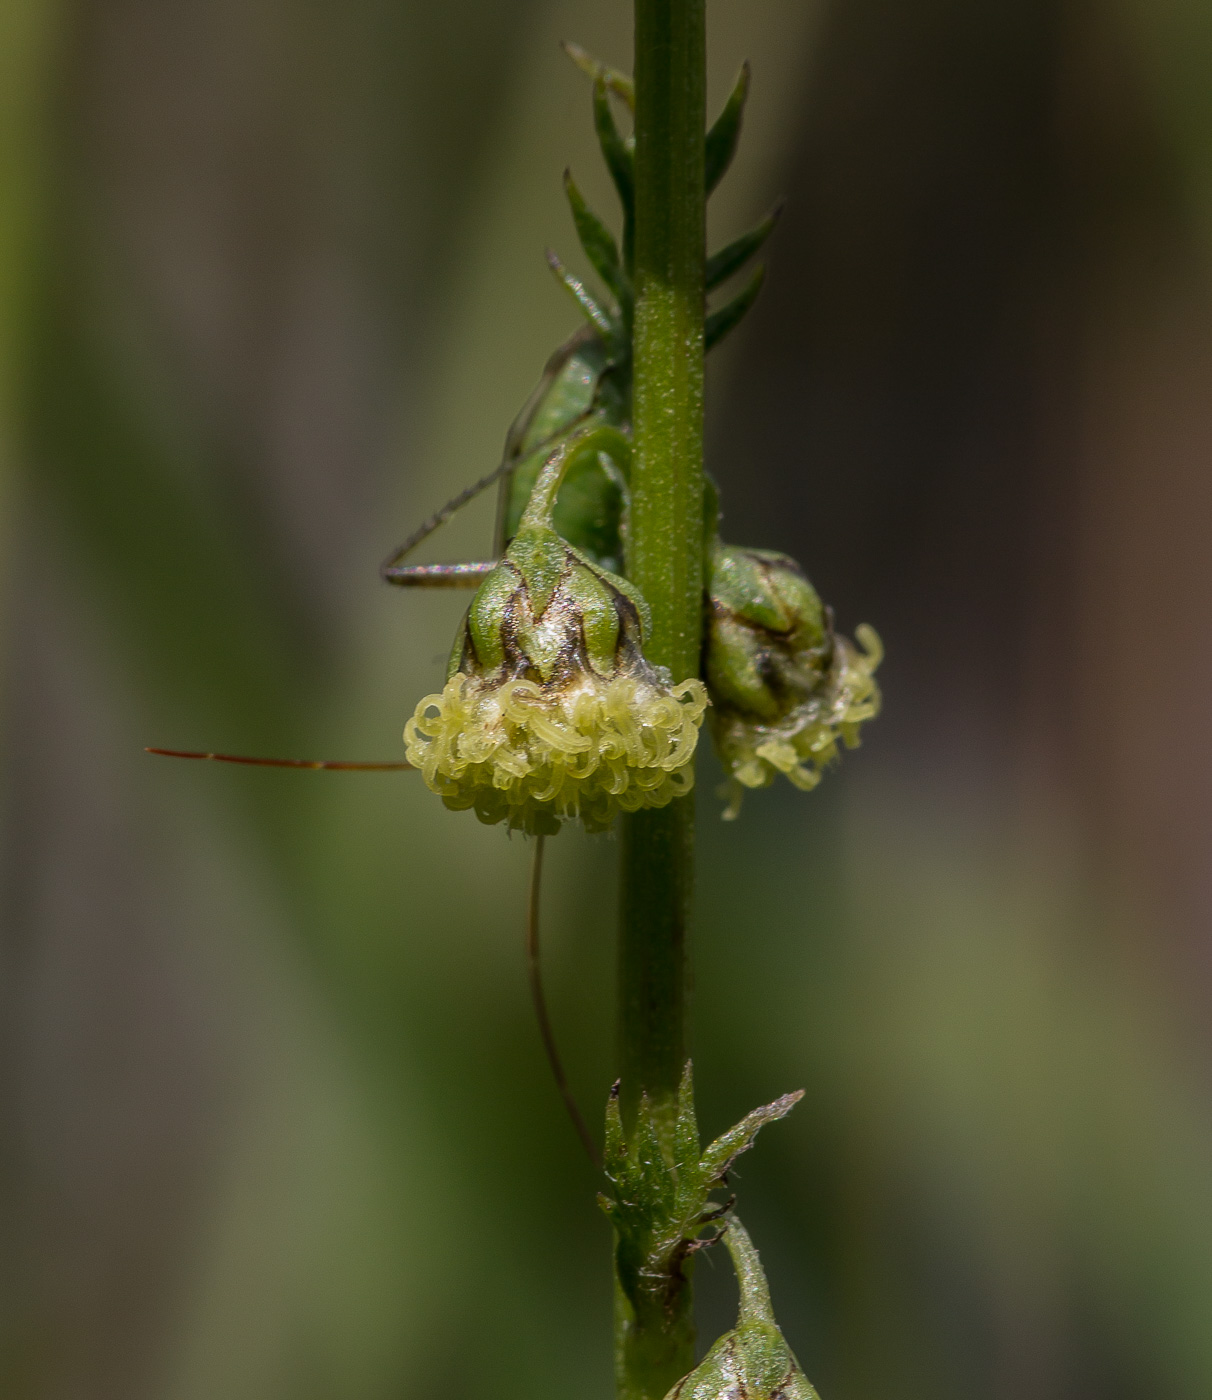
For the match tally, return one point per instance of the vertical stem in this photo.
(654, 1329)
(654, 905)
(664, 558)
(664, 550)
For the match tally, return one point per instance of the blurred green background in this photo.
(276, 1120)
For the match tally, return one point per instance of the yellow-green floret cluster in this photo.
(550, 710)
(786, 689)
(807, 738)
(533, 755)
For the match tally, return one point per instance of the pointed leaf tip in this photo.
(721, 141)
(590, 308)
(717, 1158)
(620, 161)
(686, 1127)
(729, 316)
(614, 1149)
(731, 258)
(613, 78)
(598, 243)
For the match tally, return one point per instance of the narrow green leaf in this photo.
(619, 156)
(720, 322)
(733, 257)
(596, 315)
(651, 1176)
(716, 1160)
(726, 132)
(618, 83)
(614, 1149)
(598, 242)
(686, 1127)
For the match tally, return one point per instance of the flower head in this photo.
(753, 1360)
(550, 710)
(785, 688)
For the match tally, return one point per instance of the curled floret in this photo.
(801, 743)
(533, 755)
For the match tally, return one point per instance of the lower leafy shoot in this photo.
(785, 687)
(660, 1204)
(550, 710)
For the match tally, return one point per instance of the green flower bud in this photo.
(785, 688)
(550, 710)
(753, 1361)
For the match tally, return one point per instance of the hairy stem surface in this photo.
(656, 1344)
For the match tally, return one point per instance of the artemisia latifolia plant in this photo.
(602, 633)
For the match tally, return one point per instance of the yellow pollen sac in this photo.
(804, 741)
(534, 755)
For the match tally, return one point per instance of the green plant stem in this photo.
(655, 904)
(665, 559)
(664, 552)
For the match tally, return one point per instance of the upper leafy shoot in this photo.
(615, 265)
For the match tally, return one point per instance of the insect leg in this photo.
(456, 503)
(440, 517)
(467, 575)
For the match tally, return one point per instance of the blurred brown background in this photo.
(276, 1122)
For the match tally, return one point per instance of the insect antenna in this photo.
(440, 517)
(540, 1005)
(333, 764)
(456, 503)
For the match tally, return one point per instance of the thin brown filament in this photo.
(335, 765)
(540, 1005)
